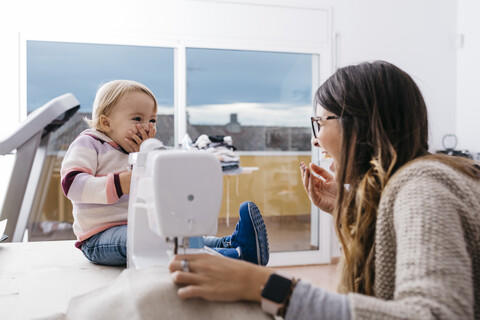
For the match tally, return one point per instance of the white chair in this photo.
(30, 141)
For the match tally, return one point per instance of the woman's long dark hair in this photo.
(384, 125)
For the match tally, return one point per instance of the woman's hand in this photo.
(135, 140)
(322, 192)
(217, 278)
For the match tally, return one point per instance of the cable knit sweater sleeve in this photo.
(309, 302)
(423, 265)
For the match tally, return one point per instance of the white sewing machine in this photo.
(175, 198)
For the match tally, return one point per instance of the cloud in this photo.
(253, 114)
(161, 109)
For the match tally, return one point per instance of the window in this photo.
(263, 101)
(55, 68)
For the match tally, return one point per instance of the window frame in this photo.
(322, 236)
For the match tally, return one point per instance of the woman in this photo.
(408, 221)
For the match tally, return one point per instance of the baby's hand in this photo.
(136, 139)
(125, 178)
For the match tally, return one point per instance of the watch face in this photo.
(276, 288)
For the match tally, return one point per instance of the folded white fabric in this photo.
(151, 294)
(202, 142)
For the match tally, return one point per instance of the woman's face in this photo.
(329, 136)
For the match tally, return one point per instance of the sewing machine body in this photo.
(175, 198)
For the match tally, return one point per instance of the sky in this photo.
(263, 88)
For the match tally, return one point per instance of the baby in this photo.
(95, 178)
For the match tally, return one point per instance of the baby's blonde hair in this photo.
(109, 94)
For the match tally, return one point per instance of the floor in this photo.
(290, 235)
(284, 234)
(325, 276)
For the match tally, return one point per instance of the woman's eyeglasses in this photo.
(317, 122)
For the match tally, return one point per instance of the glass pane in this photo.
(263, 101)
(55, 68)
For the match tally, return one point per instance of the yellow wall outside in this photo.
(276, 187)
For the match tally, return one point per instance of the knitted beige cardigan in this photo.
(427, 257)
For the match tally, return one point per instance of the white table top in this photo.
(38, 279)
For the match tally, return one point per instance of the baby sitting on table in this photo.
(95, 178)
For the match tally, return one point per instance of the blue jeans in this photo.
(109, 247)
(214, 242)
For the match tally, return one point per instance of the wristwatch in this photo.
(276, 294)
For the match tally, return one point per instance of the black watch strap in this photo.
(276, 294)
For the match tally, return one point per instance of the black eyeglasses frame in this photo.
(317, 121)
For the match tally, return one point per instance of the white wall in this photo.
(418, 36)
(468, 73)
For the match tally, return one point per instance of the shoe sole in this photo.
(260, 234)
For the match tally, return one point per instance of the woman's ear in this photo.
(105, 123)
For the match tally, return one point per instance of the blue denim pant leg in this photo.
(108, 247)
(214, 242)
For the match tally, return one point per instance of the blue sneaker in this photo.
(250, 235)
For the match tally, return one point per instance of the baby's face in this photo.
(135, 108)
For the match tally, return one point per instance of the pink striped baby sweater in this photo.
(90, 179)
